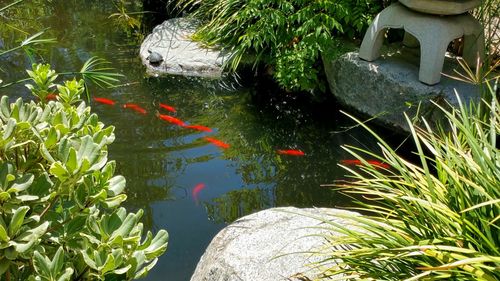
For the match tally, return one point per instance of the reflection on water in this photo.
(238, 202)
(162, 162)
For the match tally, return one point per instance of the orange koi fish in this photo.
(358, 162)
(171, 119)
(135, 107)
(51, 96)
(293, 152)
(104, 101)
(198, 128)
(197, 188)
(167, 107)
(217, 142)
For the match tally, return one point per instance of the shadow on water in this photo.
(162, 162)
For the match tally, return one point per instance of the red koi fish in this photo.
(104, 101)
(167, 107)
(171, 119)
(358, 162)
(197, 188)
(198, 128)
(217, 142)
(135, 107)
(51, 96)
(293, 152)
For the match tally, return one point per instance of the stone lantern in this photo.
(441, 7)
(434, 23)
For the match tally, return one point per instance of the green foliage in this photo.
(10, 5)
(287, 35)
(96, 70)
(71, 91)
(125, 18)
(59, 198)
(44, 78)
(30, 41)
(487, 14)
(47, 269)
(439, 219)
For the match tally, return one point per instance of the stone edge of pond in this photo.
(180, 54)
(273, 244)
(389, 86)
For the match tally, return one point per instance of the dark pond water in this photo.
(163, 163)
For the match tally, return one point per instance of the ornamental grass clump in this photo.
(435, 219)
(60, 214)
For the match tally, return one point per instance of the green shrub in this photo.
(287, 35)
(439, 219)
(60, 214)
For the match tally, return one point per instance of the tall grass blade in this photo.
(435, 220)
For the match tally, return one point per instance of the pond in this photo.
(163, 163)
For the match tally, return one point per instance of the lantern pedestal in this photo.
(433, 32)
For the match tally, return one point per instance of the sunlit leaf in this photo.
(17, 220)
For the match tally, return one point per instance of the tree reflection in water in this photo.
(237, 203)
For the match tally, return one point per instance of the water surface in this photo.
(162, 163)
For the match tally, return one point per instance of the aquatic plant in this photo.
(286, 35)
(94, 70)
(60, 214)
(28, 41)
(435, 219)
(34, 39)
(124, 17)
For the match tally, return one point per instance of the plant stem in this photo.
(81, 274)
(49, 206)
(15, 82)
(11, 50)
(68, 219)
(10, 5)
(17, 161)
(33, 164)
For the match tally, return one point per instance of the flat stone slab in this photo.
(181, 55)
(441, 7)
(269, 245)
(389, 86)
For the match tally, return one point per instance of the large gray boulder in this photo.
(389, 86)
(268, 245)
(180, 54)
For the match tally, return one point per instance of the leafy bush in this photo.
(60, 214)
(439, 219)
(285, 34)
